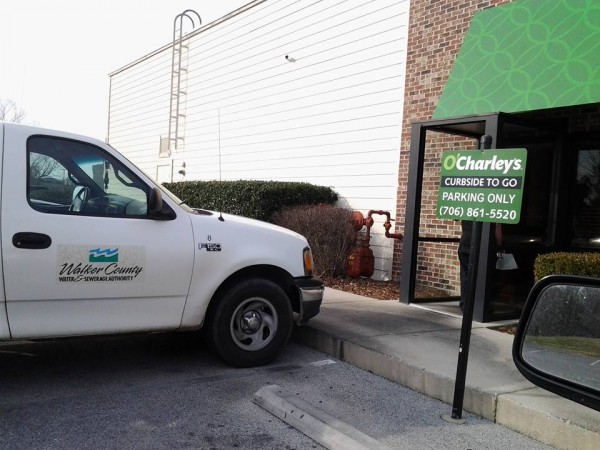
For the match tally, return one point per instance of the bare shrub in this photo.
(10, 111)
(328, 230)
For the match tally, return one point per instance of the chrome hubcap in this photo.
(251, 322)
(254, 324)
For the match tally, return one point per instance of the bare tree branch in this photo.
(10, 111)
(42, 166)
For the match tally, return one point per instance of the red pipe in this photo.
(387, 225)
(361, 261)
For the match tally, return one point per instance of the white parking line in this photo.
(17, 353)
(322, 363)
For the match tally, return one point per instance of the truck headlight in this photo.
(308, 262)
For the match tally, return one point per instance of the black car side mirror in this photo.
(156, 208)
(557, 344)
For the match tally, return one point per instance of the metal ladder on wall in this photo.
(178, 92)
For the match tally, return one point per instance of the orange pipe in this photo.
(387, 225)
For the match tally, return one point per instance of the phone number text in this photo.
(482, 214)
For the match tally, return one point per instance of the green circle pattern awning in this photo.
(524, 56)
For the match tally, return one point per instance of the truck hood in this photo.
(237, 242)
(232, 222)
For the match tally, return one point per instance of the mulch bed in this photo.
(380, 290)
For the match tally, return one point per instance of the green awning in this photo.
(524, 56)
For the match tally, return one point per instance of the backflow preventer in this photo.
(360, 261)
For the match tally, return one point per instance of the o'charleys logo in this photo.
(467, 162)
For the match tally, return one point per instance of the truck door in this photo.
(81, 253)
(4, 331)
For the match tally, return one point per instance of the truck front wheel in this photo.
(251, 323)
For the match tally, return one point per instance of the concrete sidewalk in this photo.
(418, 348)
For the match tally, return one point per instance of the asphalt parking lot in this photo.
(166, 391)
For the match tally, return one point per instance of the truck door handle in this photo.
(36, 241)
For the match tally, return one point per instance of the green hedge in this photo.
(254, 199)
(584, 264)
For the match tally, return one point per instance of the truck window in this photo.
(71, 177)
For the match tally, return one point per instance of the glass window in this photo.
(585, 223)
(71, 177)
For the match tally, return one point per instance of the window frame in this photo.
(137, 182)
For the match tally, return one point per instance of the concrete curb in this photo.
(546, 422)
(313, 422)
(516, 407)
(476, 401)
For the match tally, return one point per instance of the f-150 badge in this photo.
(210, 247)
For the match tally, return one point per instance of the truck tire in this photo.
(251, 323)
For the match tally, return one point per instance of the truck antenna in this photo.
(220, 171)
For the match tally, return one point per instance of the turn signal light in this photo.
(308, 262)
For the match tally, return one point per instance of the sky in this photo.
(55, 55)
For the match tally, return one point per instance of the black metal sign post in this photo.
(476, 187)
(465, 334)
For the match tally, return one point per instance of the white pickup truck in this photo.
(91, 245)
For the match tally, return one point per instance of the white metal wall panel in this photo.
(139, 109)
(331, 117)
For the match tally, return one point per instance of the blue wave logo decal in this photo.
(106, 255)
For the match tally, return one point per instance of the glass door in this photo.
(507, 290)
(583, 220)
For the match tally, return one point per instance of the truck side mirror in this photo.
(155, 206)
(155, 202)
(557, 344)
